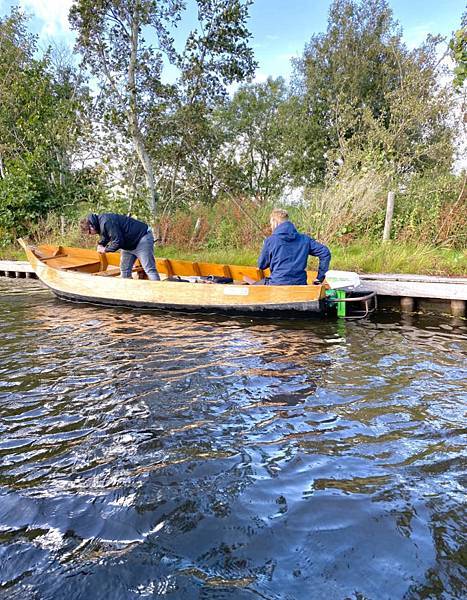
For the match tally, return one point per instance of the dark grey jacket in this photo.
(118, 232)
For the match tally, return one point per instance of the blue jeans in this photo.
(145, 252)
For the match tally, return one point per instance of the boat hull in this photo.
(317, 306)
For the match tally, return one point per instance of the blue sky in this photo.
(280, 28)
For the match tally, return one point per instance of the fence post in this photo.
(62, 224)
(389, 213)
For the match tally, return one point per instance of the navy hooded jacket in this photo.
(118, 232)
(286, 253)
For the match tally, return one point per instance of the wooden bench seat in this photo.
(53, 257)
(77, 265)
(110, 272)
(115, 272)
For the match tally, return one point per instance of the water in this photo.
(149, 455)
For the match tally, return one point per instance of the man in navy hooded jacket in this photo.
(286, 252)
(133, 238)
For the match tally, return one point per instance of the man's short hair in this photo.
(280, 214)
(84, 225)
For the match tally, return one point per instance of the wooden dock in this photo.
(16, 268)
(416, 286)
(407, 289)
(411, 288)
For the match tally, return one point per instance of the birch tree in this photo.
(127, 43)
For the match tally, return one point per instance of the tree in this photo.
(125, 44)
(254, 126)
(458, 46)
(359, 78)
(413, 134)
(39, 129)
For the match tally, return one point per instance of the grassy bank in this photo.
(361, 256)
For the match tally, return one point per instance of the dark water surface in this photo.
(149, 455)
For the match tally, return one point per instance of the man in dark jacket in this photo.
(286, 252)
(133, 238)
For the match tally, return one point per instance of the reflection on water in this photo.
(151, 454)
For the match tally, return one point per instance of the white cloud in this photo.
(52, 14)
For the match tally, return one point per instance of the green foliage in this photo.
(223, 235)
(40, 122)
(254, 140)
(366, 99)
(458, 46)
(217, 54)
(165, 123)
(364, 115)
(430, 210)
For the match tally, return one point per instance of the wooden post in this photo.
(458, 308)
(62, 224)
(389, 213)
(407, 304)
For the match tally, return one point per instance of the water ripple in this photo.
(187, 456)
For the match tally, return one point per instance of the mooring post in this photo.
(458, 308)
(388, 220)
(407, 304)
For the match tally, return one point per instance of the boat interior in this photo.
(107, 265)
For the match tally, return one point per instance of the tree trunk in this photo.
(136, 134)
(148, 169)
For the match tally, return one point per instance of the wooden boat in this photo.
(83, 275)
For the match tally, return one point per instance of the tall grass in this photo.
(50, 231)
(367, 256)
(364, 256)
(344, 205)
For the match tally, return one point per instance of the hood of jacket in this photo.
(286, 231)
(94, 221)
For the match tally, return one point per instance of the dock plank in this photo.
(16, 266)
(415, 286)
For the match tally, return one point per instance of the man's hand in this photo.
(101, 249)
